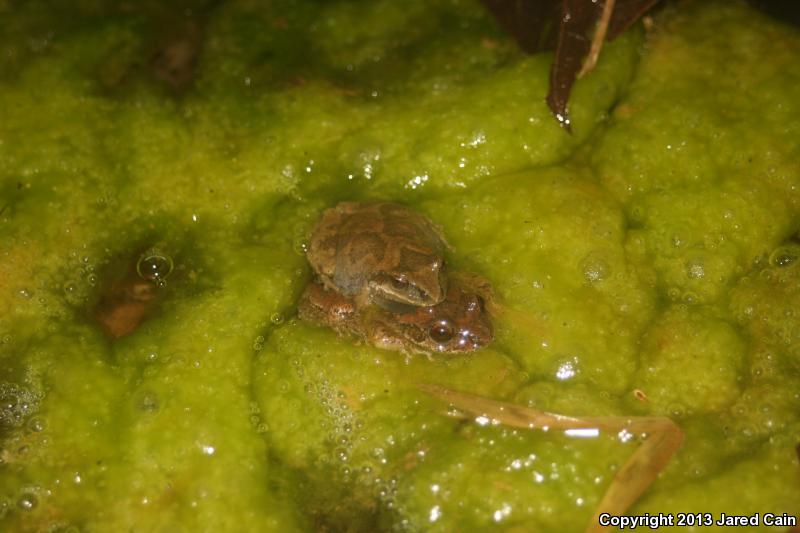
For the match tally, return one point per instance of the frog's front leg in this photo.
(662, 437)
(326, 307)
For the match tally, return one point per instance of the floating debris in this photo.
(127, 302)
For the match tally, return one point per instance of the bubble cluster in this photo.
(256, 420)
(594, 268)
(695, 269)
(258, 344)
(341, 422)
(80, 280)
(386, 491)
(16, 404)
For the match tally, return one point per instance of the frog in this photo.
(379, 253)
(458, 324)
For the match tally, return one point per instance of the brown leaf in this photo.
(577, 18)
(125, 305)
(132, 292)
(786, 12)
(175, 60)
(533, 23)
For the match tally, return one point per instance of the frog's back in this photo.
(354, 243)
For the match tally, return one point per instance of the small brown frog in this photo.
(459, 323)
(382, 253)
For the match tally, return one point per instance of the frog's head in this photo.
(422, 286)
(460, 323)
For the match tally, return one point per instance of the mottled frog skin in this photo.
(457, 324)
(381, 252)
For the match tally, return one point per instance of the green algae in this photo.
(633, 255)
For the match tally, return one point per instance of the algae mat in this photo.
(650, 260)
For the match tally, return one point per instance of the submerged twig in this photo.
(663, 438)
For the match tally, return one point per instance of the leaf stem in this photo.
(598, 39)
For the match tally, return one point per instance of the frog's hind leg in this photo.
(662, 438)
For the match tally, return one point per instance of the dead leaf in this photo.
(577, 29)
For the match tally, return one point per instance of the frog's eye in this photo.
(442, 331)
(399, 283)
(411, 291)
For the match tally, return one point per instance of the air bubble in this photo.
(27, 502)
(784, 256)
(673, 293)
(148, 402)
(276, 318)
(300, 246)
(154, 266)
(676, 410)
(9, 402)
(36, 424)
(689, 297)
